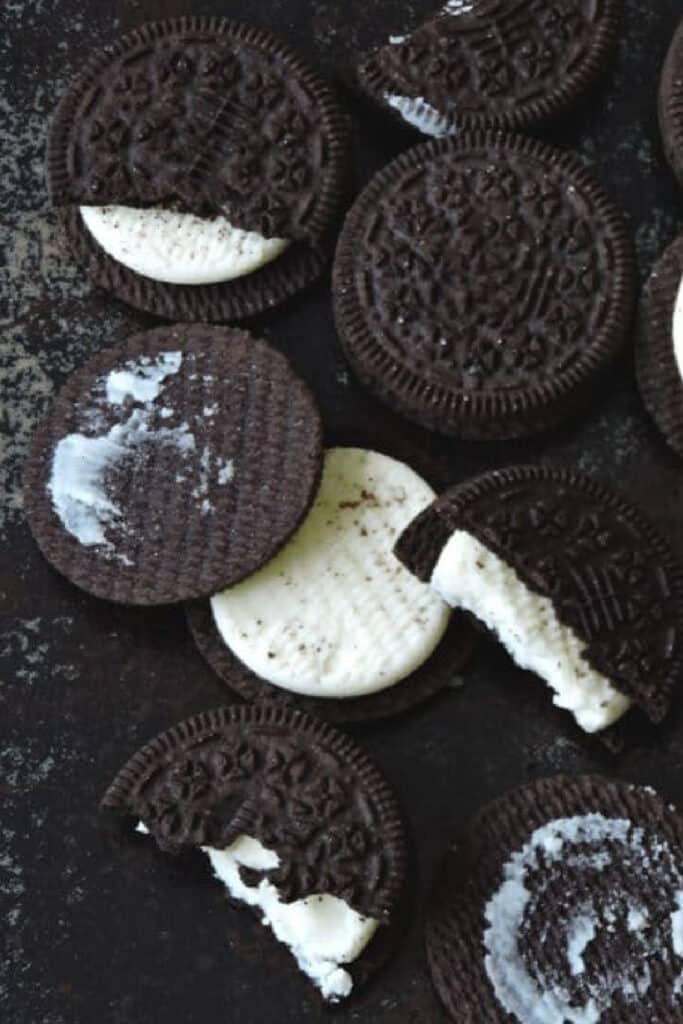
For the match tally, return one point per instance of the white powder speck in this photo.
(455, 7)
(226, 472)
(397, 40)
(580, 933)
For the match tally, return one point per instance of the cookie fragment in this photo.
(670, 105)
(563, 904)
(481, 284)
(210, 141)
(578, 586)
(490, 64)
(174, 464)
(659, 345)
(335, 614)
(297, 823)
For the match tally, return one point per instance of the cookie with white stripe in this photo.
(564, 902)
(199, 166)
(492, 64)
(576, 583)
(173, 465)
(481, 285)
(297, 823)
(334, 622)
(659, 345)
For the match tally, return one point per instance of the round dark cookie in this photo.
(293, 783)
(438, 672)
(611, 577)
(211, 117)
(481, 283)
(657, 372)
(493, 63)
(203, 482)
(670, 106)
(642, 878)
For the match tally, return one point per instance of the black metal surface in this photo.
(98, 933)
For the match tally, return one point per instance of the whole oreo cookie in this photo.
(577, 584)
(670, 105)
(492, 63)
(297, 823)
(200, 166)
(481, 283)
(659, 347)
(563, 904)
(173, 465)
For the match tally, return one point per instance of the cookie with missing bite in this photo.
(577, 585)
(297, 824)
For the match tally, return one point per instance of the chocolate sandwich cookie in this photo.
(297, 824)
(492, 63)
(173, 465)
(670, 106)
(481, 283)
(577, 585)
(335, 618)
(564, 903)
(659, 346)
(200, 166)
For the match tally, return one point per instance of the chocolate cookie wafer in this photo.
(492, 63)
(173, 465)
(297, 824)
(670, 105)
(659, 347)
(481, 284)
(200, 166)
(577, 584)
(563, 904)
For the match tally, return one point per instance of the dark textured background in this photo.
(96, 934)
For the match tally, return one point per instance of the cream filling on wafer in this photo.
(335, 614)
(416, 112)
(581, 849)
(468, 575)
(178, 248)
(677, 329)
(322, 931)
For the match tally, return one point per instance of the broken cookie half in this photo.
(297, 823)
(578, 586)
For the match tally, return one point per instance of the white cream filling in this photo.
(322, 931)
(335, 614)
(584, 844)
(178, 248)
(677, 330)
(416, 112)
(468, 575)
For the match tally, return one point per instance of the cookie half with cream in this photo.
(173, 464)
(297, 824)
(490, 63)
(659, 345)
(578, 586)
(563, 903)
(334, 622)
(199, 165)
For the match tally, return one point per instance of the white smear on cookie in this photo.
(677, 330)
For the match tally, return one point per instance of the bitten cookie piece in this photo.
(481, 284)
(172, 465)
(297, 822)
(577, 585)
(200, 166)
(563, 905)
(659, 345)
(335, 619)
(492, 63)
